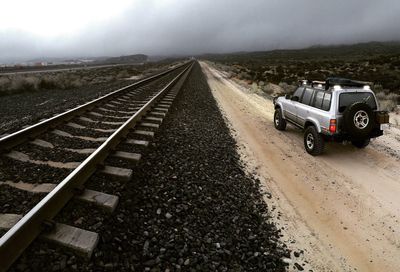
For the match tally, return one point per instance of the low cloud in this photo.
(192, 27)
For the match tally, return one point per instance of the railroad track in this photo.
(44, 166)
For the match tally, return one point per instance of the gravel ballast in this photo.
(190, 206)
(28, 172)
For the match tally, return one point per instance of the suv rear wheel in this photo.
(313, 141)
(279, 122)
(361, 143)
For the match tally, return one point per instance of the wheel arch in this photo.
(280, 107)
(312, 122)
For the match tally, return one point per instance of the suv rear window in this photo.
(326, 104)
(346, 99)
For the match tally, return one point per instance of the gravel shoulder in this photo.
(341, 208)
(190, 206)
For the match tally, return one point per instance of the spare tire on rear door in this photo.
(358, 120)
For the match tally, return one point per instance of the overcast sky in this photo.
(65, 28)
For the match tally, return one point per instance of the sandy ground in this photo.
(341, 208)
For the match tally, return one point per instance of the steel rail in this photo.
(18, 238)
(18, 137)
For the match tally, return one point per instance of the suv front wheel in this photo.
(279, 122)
(313, 141)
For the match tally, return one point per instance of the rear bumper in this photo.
(340, 137)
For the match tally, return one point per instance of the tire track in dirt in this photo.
(341, 208)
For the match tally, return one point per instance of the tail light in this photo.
(332, 126)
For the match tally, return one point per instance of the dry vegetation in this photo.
(17, 83)
(373, 62)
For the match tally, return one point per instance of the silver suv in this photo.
(337, 109)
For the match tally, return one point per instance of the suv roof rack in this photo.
(344, 82)
(307, 82)
(304, 82)
(318, 84)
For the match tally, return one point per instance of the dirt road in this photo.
(341, 208)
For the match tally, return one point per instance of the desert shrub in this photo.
(387, 95)
(31, 83)
(4, 84)
(393, 97)
(108, 78)
(378, 88)
(76, 83)
(388, 101)
(380, 95)
(272, 89)
(122, 74)
(67, 79)
(244, 76)
(287, 89)
(254, 87)
(47, 82)
(60, 81)
(230, 74)
(279, 70)
(96, 80)
(388, 105)
(53, 81)
(21, 83)
(16, 83)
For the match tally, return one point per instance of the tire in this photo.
(279, 122)
(361, 143)
(358, 121)
(314, 143)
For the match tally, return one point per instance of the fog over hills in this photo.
(100, 28)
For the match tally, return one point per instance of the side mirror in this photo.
(288, 96)
(295, 98)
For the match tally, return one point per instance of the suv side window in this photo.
(299, 92)
(306, 99)
(318, 98)
(326, 104)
